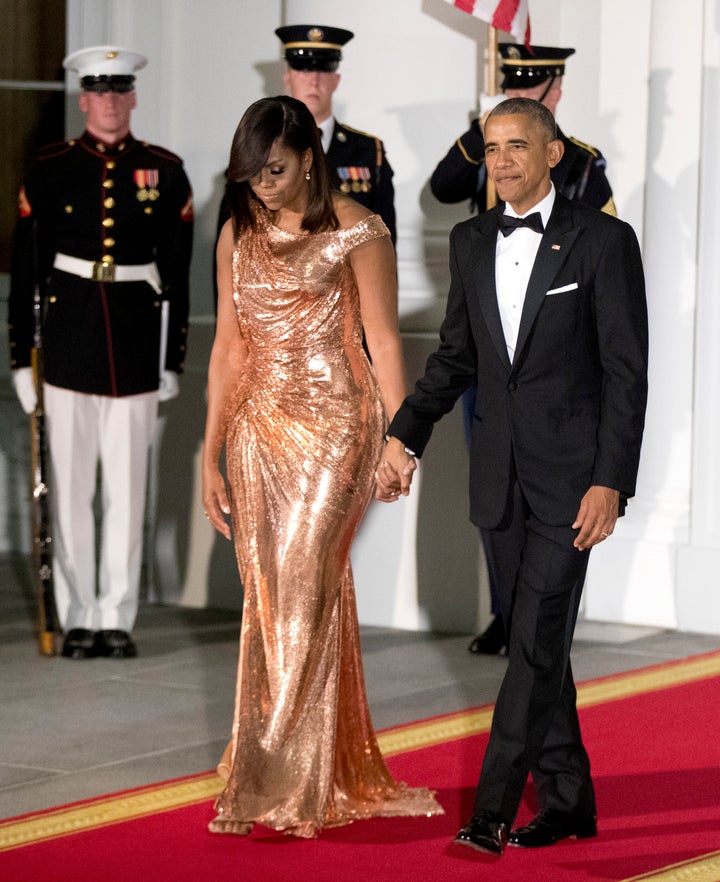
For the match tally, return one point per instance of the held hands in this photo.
(215, 501)
(395, 472)
(596, 516)
(24, 384)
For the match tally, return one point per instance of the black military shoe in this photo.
(492, 641)
(550, 827)
(114, 644)
(79, 643)
(485, 831)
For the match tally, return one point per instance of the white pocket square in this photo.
(571, 287)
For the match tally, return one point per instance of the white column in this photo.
(698, 564)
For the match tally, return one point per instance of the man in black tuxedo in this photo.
(546, 316)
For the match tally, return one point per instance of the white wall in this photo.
(643, 87)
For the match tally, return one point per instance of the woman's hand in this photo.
(215, 501)
(395, 472)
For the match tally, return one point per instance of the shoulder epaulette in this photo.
(161, 151)
(360, 132)
(588, 147)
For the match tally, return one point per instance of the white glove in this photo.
(169, 386)
(24, 384)
(488, 102)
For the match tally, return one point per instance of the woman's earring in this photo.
(307, 175)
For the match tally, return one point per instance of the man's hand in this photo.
(596, 516)
(394, 474)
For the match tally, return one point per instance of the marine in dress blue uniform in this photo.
(106, 223)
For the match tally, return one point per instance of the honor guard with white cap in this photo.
(356, 160)
(528, 72)
(105, 230)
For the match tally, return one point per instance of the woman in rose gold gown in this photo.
(301, 414)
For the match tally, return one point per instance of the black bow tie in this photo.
(508, 223)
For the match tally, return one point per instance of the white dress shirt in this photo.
(514, 258)
(326, 129)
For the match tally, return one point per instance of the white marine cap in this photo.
(101, 62)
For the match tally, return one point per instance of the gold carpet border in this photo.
(108, 810)
(705, 868)
(401, 739)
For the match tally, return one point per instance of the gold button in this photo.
(148, 209)
(156, 303)
(108, 184)
(108, 258)
(108, 222)
(110, 163)
(108, 243)
(53, 299)
(109, 202)
(68, 209)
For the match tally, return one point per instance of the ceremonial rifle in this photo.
(42, 539)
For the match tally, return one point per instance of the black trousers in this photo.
(535, 728)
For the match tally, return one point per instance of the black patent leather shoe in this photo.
(485, 831)
(550, 827)
(492, 641)
(114, 644)
(79, 643)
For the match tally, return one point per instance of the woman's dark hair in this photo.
(264, 122)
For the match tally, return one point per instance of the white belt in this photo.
(99, 271)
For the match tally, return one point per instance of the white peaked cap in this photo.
(104, 61)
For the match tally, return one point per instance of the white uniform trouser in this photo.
(116, 432)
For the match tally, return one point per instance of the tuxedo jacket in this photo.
(569, 411)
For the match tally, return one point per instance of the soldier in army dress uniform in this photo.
(529, 72)
(357, 162)
(105, 223)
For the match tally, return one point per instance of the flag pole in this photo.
(491, 88)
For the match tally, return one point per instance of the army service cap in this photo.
(313, 47)
(105, 68)
(526, 66)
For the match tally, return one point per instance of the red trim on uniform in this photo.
(24, 207)
(103, 293)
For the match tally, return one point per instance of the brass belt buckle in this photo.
(103, 272)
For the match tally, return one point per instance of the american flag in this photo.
(511, 16)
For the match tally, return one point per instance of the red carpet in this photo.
(653, 741)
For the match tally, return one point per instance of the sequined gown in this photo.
(301, 452)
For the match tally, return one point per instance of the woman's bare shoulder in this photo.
(348, 211)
